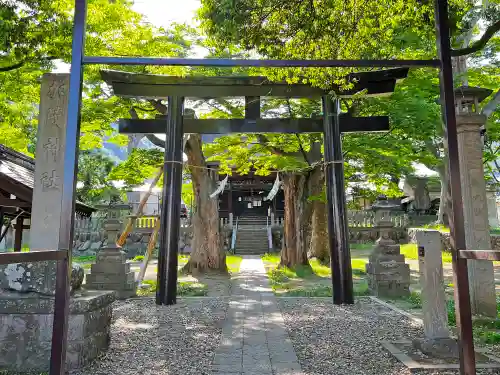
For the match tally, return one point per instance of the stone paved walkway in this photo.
(254, 341)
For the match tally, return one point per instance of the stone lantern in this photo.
(388, 274)
(111, 270)
(382, 209)
(470, 126)
(467, 99)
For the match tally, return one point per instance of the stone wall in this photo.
(356, 235)
(445, 239)
(27, 319)
(369, 235)
(86, 244)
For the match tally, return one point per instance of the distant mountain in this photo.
(119, 154)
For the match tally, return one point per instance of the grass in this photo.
(85, 259)
(233, 263)
(439, 227)
(361, 246)
(184, 288)
(313, 281)
(410, 251)
(486, 330)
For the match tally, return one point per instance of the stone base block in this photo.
(444, 348)
(112, 273)
(389, 289)
(110, 268)
(26, 330)
(416, 361)
(121, 290)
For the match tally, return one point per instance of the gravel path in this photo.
(147, 339)
(345, 340)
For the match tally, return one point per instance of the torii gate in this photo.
(332, 124)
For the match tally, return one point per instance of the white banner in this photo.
(275, 189)
(221, 187)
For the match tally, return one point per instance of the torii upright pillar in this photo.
(166, 293)
(338, 231)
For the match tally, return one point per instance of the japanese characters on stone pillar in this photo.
(477, 229)
(46, 209)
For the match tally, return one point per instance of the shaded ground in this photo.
(342, 340)
(162, 340)
(188, 285)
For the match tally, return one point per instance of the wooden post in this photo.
(18, 235)
(230, 202)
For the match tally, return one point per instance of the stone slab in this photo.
(255, 340)
(32, 303)
(400, 350)
(25, 336)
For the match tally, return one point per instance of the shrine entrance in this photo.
(332, 123)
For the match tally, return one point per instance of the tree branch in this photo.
(151, 137)
(159, 106)
(303, 152)
(490, 107)
(480, 43)
(12, 67)
(22, 63)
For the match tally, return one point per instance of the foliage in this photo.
(139, 166)
(35, 36)
(94, 186)
(32, 32)
(410, 251)
(184, 288)
(233, 263)
(188, 194)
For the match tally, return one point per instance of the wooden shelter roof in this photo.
(17, 175)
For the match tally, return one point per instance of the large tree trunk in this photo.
(297, 219)
(318, 243)
(207, 253)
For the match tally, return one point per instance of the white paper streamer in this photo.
(221, 187)
(275, 189)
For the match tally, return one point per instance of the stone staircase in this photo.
(251, 238)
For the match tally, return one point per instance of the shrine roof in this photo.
(17, 176)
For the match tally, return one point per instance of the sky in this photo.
(162, 13)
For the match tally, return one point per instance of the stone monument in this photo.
(491, 199)
(437, 341)
(111, 270)
(388, 274)
(27, 289)
(477, 229)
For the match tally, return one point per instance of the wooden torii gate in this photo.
(332, 124)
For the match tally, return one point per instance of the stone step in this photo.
(250, 243)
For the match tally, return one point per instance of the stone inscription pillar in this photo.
(477, 229)
(430, 267)
(47, 193)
